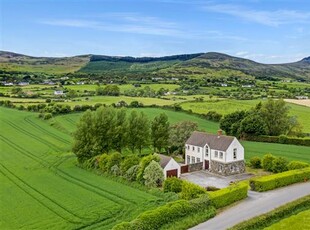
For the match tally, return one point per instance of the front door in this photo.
(206, 164)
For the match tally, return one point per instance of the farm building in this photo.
(58, 92)
(219, 154)
(170, 166)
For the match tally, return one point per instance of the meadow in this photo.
(41, 186)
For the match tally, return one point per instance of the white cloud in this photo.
(269, 18)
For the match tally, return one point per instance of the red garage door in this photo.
(172, 173)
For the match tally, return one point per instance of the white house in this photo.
(217, 153)
(170, 166)
(58, 92)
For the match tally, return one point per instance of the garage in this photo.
(172, 173)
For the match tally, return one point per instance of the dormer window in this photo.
(193, 148)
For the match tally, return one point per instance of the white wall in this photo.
(194, 153)
(240, 151)
(172, 164)
(218, 158)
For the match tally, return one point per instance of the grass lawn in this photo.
(300, 221)
(41, 188)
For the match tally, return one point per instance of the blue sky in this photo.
(268, 31)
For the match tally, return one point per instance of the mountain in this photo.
(198, 65)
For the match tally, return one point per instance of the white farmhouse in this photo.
(219, 154)
(58, 92)
(170, 166)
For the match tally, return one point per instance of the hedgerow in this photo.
(265, 220)
(279, 180)
(229, 195)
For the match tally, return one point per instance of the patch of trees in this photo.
(271, 118)
(109, 90)
(145, 92)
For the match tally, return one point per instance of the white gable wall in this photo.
(240, 151)
(194, 151)
(172, 164)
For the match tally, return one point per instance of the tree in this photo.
(71, 93)
(153, 175)
(128, 162)
(253, 124)
(121, 127)
(144, 162)
(84, 137)
(138, 131)
(230, 123)
(180, 132)
(160, 132)
(275, 114)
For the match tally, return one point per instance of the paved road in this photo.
(255, 204)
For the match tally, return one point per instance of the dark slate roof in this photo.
(214, 141)
(164, 160)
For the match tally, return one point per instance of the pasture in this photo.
(42, 188)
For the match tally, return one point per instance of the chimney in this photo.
(219, 132)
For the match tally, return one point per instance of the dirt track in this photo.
(305, 102)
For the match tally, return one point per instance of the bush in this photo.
(279, 164)
(191, 191)
(153, 175)
(113, 159)
(167, 214)
(297, 165)
(102, 161)
(279, 180)
(145, 161)
(229, 195)
(267, 219)
(131, 173)
(128, 162)
(256, 163)
(115, 171)
(173, 184)
(47, 116)
(267, 162)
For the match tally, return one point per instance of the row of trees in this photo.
(110, 129)
(271, 118)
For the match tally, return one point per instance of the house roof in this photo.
(217, 142)
(164, 160)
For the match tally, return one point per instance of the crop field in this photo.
(300, 221)
(67, 123)
(41, 187)
(228, 106)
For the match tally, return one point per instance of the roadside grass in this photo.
(41, 187)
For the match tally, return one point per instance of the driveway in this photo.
(256, 204)
(204, 178)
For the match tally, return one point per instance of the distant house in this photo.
(170, 167)
(8, 84)
(223, 85)
(219, 154)
(302, 97)
(58, 92)
(23, 83)
(247, 86)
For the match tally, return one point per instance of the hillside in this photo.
(187, 65)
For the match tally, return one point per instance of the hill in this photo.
(198, 65)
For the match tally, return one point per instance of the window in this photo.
(198, 160)
(220, 168)
(193, 148)
(188, 158)
(221, 155)
(193, 160)
(216, 154)
(207, 151)
(188, 147)
(198, 149)
(235, 154)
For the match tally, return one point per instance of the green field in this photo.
(41, 188)
(300, 221)
(226, 106)
(67, 123)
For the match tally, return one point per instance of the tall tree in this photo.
(121, 127)
(160, 132)
(230, 123)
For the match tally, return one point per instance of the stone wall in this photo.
(228, 168)
(195, 167)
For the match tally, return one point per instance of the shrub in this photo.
(297, 165)
(153, 175)
(47, 116)
(131, 174)
(229, 195)
(115, 171)
(267, 162)
(256, 163)
(279, 180)
(145, 161)
(279, 164)
(113, 159)
(102, 161)
(191, 191)
(173, 184)
(212, 188)
(128, 162)
(48, 100)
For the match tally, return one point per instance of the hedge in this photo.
(267, 219)
(282, 139)
(170, 212)
(279, 180)
(229, 195)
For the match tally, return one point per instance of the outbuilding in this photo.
(170, 167)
